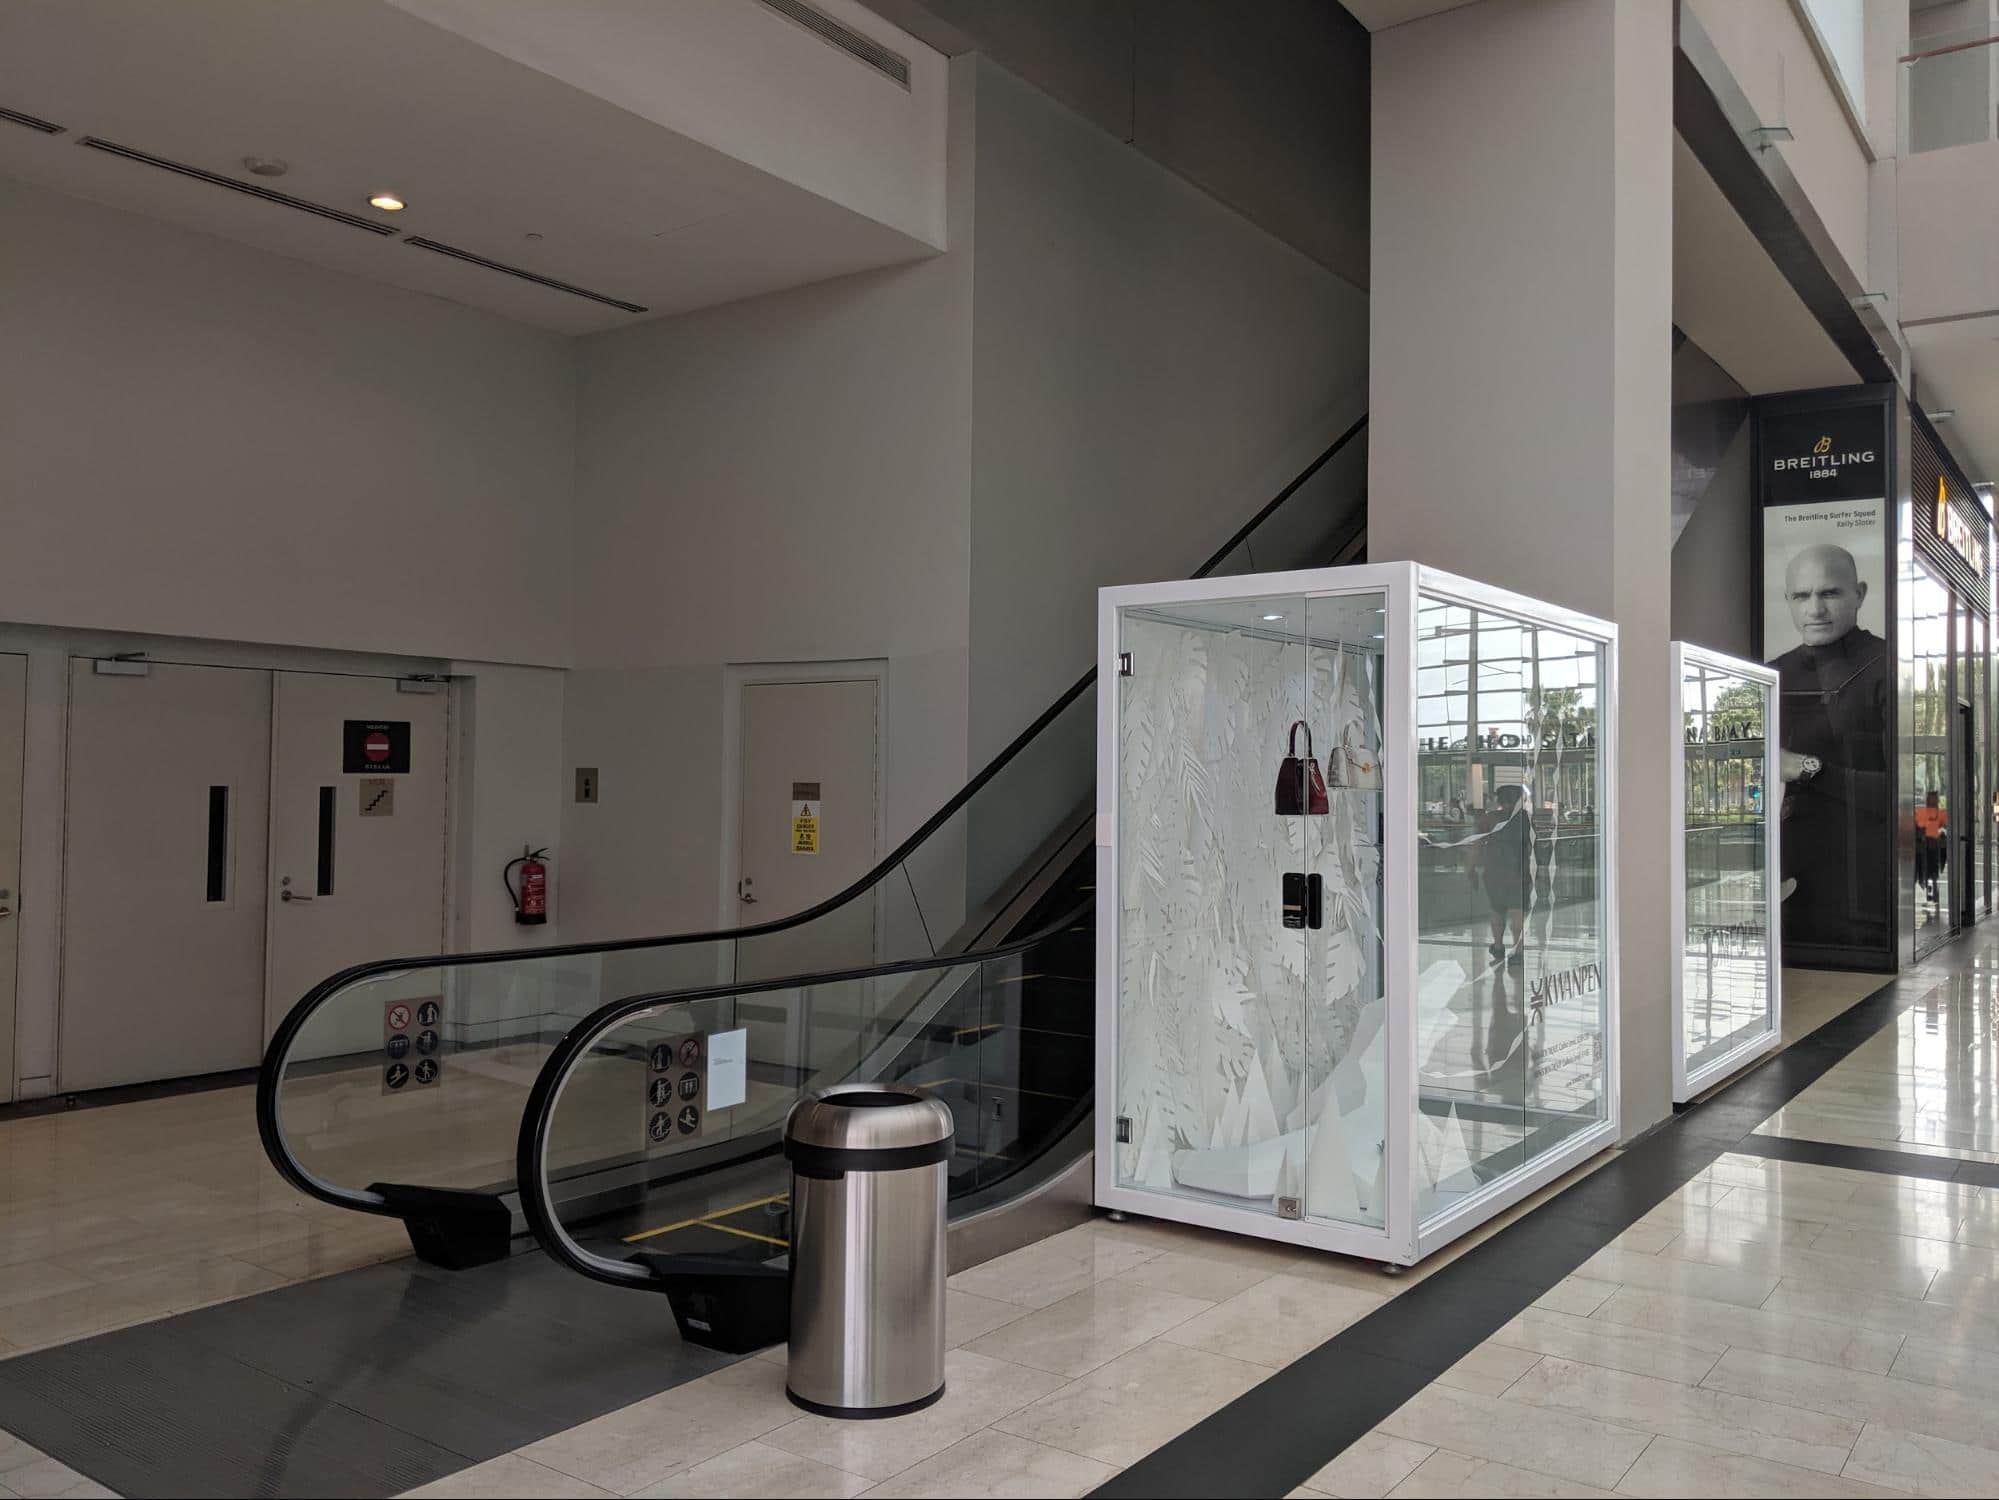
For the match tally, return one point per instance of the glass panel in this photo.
(1346, 1054)
(1926, 818)
(1510, 933)
(1949, 95)
(1725, 957)
(1212, 1074)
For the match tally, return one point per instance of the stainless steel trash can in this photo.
(868, 1177)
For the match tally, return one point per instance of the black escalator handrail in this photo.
(531, 1152)
(270, 1074)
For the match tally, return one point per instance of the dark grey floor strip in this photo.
(1275, 1437)
(366, 1383)
(1883, 1159)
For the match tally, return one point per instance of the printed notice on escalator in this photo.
(728, 1069)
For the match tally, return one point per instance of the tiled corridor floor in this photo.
(1772, 1326)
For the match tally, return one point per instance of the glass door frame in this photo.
(1400, 1239)
(1689, 1083)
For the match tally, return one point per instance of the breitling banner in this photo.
(1824, 479)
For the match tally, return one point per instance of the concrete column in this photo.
(1520, 371)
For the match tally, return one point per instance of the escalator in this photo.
(423, 1088)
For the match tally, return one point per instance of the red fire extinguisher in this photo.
(531, 899)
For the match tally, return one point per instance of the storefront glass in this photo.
(1926, 815)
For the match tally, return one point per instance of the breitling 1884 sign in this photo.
(1823, 471)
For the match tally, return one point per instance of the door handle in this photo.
(743, 892)
(288, 896)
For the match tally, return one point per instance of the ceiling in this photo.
(1379, 15)
(491, 156)
(1730, 298)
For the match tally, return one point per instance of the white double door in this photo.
(228, 843)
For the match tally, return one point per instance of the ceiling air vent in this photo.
(46, 127)
(891, 66)
(215, 179)
(493, 265)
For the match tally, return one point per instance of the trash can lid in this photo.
(868, 1117)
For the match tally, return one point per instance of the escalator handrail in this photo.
(270, 1073)
(531, 1152)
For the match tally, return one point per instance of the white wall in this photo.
(1150, 368)
(201, 439)
(508, 797)
(782, 479)
(1766, 47)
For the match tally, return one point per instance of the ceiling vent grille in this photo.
(889, 64)
(215, 179)
(493, 265)
(46, 127)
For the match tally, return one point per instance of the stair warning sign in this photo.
(805, 817)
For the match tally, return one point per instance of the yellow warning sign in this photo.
(805, 828)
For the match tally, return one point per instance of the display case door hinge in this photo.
(1124, 1130)
(1124, 664)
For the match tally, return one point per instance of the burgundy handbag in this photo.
(1300, 787)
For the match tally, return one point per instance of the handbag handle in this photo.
(1291, 746)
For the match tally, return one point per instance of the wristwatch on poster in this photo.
(1812, 768)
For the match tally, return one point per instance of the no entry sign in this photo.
(375, 747)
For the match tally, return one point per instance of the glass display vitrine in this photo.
(1727, 794)
(1355, 903)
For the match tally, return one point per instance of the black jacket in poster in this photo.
(1835, 708)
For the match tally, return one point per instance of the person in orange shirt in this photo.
(1930, 820)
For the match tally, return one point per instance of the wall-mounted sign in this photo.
(805, 817)
(1824, 477)
(379, 747)
(1961, 536)
(378, 797)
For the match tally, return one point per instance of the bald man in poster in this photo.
(1834, 718)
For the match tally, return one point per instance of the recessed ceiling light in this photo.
(388, 203)
(1273, 617)
(267, 166)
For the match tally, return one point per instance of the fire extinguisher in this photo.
(531, 899)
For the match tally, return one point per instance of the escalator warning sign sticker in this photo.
(676, 1075)
(805, 817)
(412, 1025)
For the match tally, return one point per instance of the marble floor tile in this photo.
(1673, 1468)
(977, 1392)
(1489, 1369)
(651, 1440)
(1915, 1461)
(1946, 1322)
(756, 1470)
(1858, 1396)
(1578, 1295)
(1370, 1467)
(1884, 1248)
(1197, 1276)
(1716, 1417)
(502, 1477)
(1682, 1277)
(1453, 1474)
(966, 1317)
(31, 1280)
(1561, 1443)
(1718, 1325)
(1121, 1411)
(1088, 1328)
(1806, 1265)
(997, 1464)
(1971, 1368)
(1045, 1272)
(1645, 1238)
(1276, 1321)
(1936, 1216)
(1192, 1239)
(1611, 1344)
(1723, 1220)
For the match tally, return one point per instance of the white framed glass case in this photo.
(1727, 884)
(1356, 936)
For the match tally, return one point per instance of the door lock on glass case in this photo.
(1304, 900)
